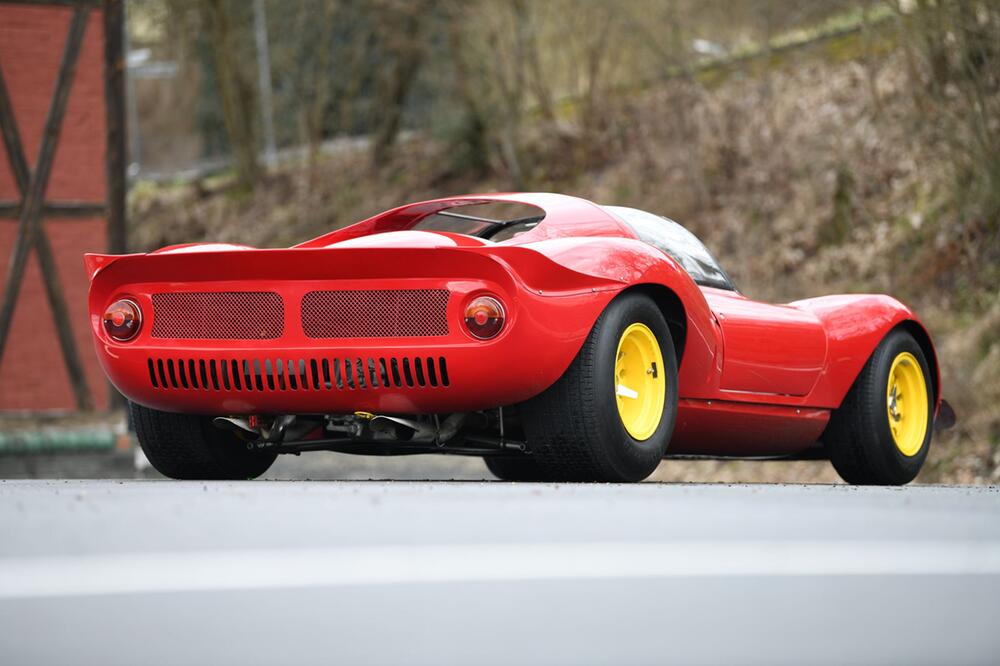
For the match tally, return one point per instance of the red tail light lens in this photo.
(484, 317)
(122, 320)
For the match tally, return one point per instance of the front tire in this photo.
(189, 447)
(610, 416)
(881, 433)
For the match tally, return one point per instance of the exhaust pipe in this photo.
(395, 427)
(241, 427)
(389, 427)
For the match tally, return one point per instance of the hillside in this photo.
(807, 175)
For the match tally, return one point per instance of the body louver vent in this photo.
(312, 374)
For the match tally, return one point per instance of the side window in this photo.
(682, 245)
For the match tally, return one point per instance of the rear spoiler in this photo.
(94, 262)
(537, 271)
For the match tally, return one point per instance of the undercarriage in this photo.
(481, 433)
(491, 433)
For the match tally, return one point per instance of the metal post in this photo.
(264, 75)
(131, 106)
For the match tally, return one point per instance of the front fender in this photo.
(855, 325)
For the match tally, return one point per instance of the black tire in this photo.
(189, 447)
(520, 468)
(859, 439)
(573, 428)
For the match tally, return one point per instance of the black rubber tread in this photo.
(858, 437)
(189, 447)
(573, 428)
(520, 468)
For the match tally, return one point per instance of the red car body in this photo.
(229, 329)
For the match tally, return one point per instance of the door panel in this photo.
(767, 348)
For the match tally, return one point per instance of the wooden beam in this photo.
(114, 102)
(30, 232)
(83, 4)
(74, 209)
(12, 139)
(64, 327)
(117, 139)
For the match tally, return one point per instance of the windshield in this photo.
(682, 245)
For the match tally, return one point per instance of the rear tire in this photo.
(521, 468)
(576, 429)
(189, 447)
(860, 439)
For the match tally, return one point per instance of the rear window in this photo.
(496, 221)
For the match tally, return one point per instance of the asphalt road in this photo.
(125, 572)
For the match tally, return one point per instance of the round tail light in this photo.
(484, 317)
(122, 320)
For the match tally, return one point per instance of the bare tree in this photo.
(314, 59)
(473, 148)
(400, 47)
(236, 88)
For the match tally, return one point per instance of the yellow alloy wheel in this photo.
(906, 403)
(640, 385)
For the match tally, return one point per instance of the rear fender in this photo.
(628, 263)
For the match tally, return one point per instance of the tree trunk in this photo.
(402, 46)
(235, 92)
(473, 140)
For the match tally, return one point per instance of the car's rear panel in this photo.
(336, 330)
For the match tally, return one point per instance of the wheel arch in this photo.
(672, 308)
(923, 338)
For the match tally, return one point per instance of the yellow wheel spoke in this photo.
(626, 392)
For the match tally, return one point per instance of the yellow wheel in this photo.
(640, 387)
(906, 403)
(610, 416)
(881, 432)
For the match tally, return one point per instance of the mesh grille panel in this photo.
(222, 315)
(390, 313)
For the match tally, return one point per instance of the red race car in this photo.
(556, 338)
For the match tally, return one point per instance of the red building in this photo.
(61, 194)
